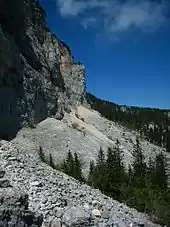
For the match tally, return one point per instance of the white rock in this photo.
(96, 212)
(35, 183)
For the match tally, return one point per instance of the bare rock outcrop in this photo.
(38, 76)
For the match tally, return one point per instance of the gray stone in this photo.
(12, 159)
(46, 224)
(58, 212)
(105, 214)
(44, 200)
(76, 216)
(14, 210)
(56, 223)
(101, 225)
(94, 203)
(4, 183)
(36, 184)
(2, 173)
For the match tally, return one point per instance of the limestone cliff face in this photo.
(38, 76)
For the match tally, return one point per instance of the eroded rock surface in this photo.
(38, 76)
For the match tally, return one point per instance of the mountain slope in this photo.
(60, 198)
(83, 131)
(152, 124)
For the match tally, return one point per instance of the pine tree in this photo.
(41, 154)
(119, 159)
(100, 170)
(110, 172)
(151, 173)
(77, 168)
(139, 165)
(70, 164)
(51, 162)
(91, 177)
(115, 173)
(161, 176)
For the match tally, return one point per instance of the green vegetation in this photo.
(143, 187)
(72, 166)
(153, 124)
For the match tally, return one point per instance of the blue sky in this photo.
(124, 45)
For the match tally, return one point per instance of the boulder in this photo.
(2, 173)
(96, 212)
(14, 210)
(4, 183)
(76, 216)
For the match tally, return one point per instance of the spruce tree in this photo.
(91, 177)
(70, 164)
(115, 173)
(51, 162)
(77, 168)
(151, 173)
(139, 165)
(41, 154)
(100, 170)
(110, 172)
(161, 175)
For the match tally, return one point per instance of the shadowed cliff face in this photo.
(38, 77)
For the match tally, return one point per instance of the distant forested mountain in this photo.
(153, 124)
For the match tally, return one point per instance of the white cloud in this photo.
(88, 22)
(116, 17)
(71, 7)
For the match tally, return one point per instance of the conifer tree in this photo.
(100, 170)
(110, 172)
(139, 165)
(41, 154)
(115, 173)
(77, 168)
(64, 167)
(130, 174)
(91, 177)
(161, 175)
(151, 173)
(70, 164)
(51, 162)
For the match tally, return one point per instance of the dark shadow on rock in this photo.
(10, 119)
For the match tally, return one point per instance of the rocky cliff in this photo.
(38, 76)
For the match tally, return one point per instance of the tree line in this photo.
(152, 124)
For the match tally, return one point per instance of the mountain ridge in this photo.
(152, 124)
